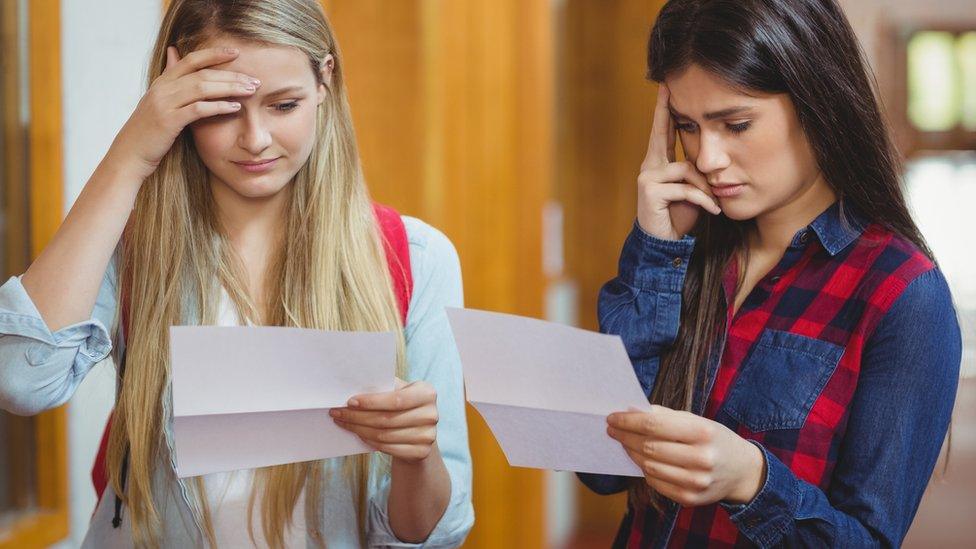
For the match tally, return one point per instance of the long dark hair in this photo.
(804, 48)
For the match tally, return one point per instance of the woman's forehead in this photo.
(270, 64)
(696, 91)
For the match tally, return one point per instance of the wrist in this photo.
(753, 478)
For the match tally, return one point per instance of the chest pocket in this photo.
(781, 380)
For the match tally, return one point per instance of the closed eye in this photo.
(739, 127)
(286, 107)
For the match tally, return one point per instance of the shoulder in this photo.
(430, 249)
(895, 264)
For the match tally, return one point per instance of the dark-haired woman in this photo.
(781, 309)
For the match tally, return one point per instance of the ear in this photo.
(325, 72)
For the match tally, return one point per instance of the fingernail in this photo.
(255, 82)
(353, 402)
(335, 413)
(231, 51)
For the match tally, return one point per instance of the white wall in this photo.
(105, 48)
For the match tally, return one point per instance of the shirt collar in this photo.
(836, 228)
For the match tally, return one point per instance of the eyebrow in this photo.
(287, 89)
(724, 113)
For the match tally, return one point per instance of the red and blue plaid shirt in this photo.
(841, 366)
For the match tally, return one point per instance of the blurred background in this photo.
(516, 127)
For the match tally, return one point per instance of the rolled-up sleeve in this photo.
(40, 369)
(432, 356)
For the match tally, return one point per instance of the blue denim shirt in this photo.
(896, 419)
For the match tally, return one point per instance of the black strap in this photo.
(117, 519)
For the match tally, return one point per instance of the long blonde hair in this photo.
(329, 272)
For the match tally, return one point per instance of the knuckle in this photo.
(707, 459)
(651, 448)
(650, 467)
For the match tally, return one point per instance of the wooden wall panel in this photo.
(50, 522)
(453, 108)
(605, 108)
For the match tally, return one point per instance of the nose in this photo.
(255, 136)
(712, 155)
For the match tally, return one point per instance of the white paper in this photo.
(246, 397)
(545, 390)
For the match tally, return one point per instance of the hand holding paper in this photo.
(246, 397)
(402, 423)
(546, 390)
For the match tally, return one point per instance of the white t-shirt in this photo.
(229, 493)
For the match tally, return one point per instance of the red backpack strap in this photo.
(394, 235)
(397, 248)
(99, 473)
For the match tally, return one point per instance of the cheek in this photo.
(296, 133)
(211, 140)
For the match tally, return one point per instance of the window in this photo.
(941, 89)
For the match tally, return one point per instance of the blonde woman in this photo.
(233, 195)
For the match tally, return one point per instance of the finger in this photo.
(188, 93)
(671, 491)
(424, 415)
(205, 109)
(410, 452)
(657, 146)
(410, 396)
(412, 435)
(674, 474)
(677, 172)
(666, 451)
(172, 58)
(663, 424)
(687, 192)
(219, 75)
(199, 59)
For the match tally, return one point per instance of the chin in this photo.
(740, 212)
(257, 187)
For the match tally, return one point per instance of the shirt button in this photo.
(677, 262)
(775, 279)
(804, 237)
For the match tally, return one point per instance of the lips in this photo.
(257, 165)
(726, 190)
(255, 162)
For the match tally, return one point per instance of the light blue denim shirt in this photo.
(40, 369)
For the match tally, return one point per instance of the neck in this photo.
(250, 222)
(774, 230)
